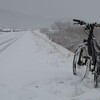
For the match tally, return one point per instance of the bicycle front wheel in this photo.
(81, 63)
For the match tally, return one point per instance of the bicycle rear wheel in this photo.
(81, 63)
(97, 71)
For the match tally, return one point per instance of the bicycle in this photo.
(87, 56)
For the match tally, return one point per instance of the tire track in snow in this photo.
(10, 42)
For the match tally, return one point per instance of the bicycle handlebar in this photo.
(87, 24)
(79, 22)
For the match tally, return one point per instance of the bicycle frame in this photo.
(91, 46)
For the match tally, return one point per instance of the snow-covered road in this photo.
(34, 68)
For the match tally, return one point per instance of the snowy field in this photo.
(34, 68)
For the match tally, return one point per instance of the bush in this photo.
(44, 30)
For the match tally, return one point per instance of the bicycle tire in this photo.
(95, 80)
(97, 71)
(81, 70)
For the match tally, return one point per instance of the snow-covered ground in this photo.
(34, 68)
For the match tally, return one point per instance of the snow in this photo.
(34, 68)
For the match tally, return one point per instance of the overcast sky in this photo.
(82, 9)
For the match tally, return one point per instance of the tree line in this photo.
(68, 35)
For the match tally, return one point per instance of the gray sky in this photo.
(82, 9)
